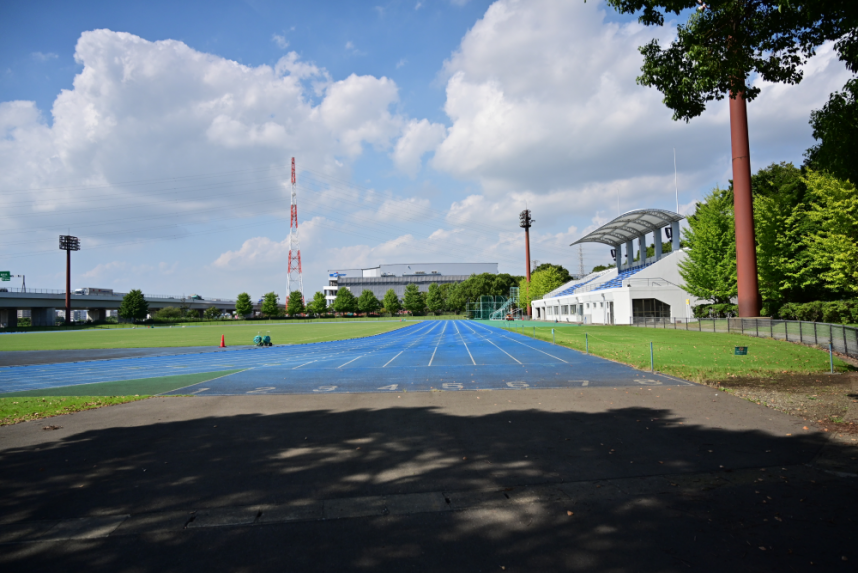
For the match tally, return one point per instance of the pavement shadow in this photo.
(784, 519)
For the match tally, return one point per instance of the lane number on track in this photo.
(519, 385)
(325, 389)
(392, 387)
(261, 390)
(451, 386)
(648, 382)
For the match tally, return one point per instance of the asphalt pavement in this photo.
(626, 478)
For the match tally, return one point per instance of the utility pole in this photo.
(68, 244)
(525, 222)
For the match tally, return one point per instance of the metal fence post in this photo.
(831, 357)
(830, 334)
(552, 337)
(815, 339)
(757, 327)
(800, 332)
(845, 348)
(772, 329)
(651, 359)
(586, 343)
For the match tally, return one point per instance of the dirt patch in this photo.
(829, 402)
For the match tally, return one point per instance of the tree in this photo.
(434, 302)
(715, 53)
(367, 302)
(212, 313)
(270, 307)
(599, 268)
(318, 305)
(295, 304)
(719, 48)
(345, 301)
(457, 298)
(444, 291)
(243, 305)
(134, 306)
(835, 248)
(835, 126)
(167, 313)
(709, 270)
(564, 274)
(541, 283)
(412, 301)
(391, 302)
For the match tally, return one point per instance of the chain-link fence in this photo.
(843, 339)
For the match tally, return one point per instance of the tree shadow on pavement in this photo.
(640, 490)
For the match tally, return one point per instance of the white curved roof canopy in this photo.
(630, 226)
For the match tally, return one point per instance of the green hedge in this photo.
(835, 312)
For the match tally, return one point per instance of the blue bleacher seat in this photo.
(617, 281)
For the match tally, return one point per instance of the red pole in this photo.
(68, 287)
(527, 272)
(743, 210)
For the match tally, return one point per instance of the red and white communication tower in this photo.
(294, 279)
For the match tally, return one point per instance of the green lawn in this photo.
(697, 356)
(22, 409)
(236, 333)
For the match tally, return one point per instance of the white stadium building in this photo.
(644, 290)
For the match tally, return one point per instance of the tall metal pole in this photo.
(743, 208)
(68, 286)
(525, 222)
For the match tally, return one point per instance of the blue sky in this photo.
(160, 132)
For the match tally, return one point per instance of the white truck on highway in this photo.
(91, 291)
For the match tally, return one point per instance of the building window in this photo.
(650, 308)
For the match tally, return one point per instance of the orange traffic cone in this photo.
(222, 342)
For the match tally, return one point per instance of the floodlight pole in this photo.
(525, 222)
(743, 209)
(68, 244)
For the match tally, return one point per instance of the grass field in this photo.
(22, 409)
(697, 356)
(236, 333)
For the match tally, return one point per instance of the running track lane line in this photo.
(310, 362)
(501, 349)
(433, 356)
(466, 346)
(392, 359)
(350, 361)
(531, 347)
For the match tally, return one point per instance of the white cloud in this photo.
(542, 97)
(401, 63)
(149, 111)
(280, 41)
(418, 5)
(418, 138)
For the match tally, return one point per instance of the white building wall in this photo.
(659, 281)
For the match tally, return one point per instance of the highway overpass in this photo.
(43, 304)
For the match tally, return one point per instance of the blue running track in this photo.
(431, 355)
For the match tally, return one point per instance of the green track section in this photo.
(142, 387)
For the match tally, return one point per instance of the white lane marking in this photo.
(310, 362)
(433, 356)
(392, 359)
(469, 352)
(502, 350)
(350, 361)
(200, 390)
(538, 350)
(585, 383)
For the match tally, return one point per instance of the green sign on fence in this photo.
(5, 275)
(741, 351)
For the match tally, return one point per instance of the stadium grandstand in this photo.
(638, 288)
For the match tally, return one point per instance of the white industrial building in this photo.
(647, 289)
(384, 277)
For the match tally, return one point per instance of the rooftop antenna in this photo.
(675, 186)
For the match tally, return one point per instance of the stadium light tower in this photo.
(524, 221)
(294, 278)
(68, 244)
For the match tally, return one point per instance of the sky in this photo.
(161, 134)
